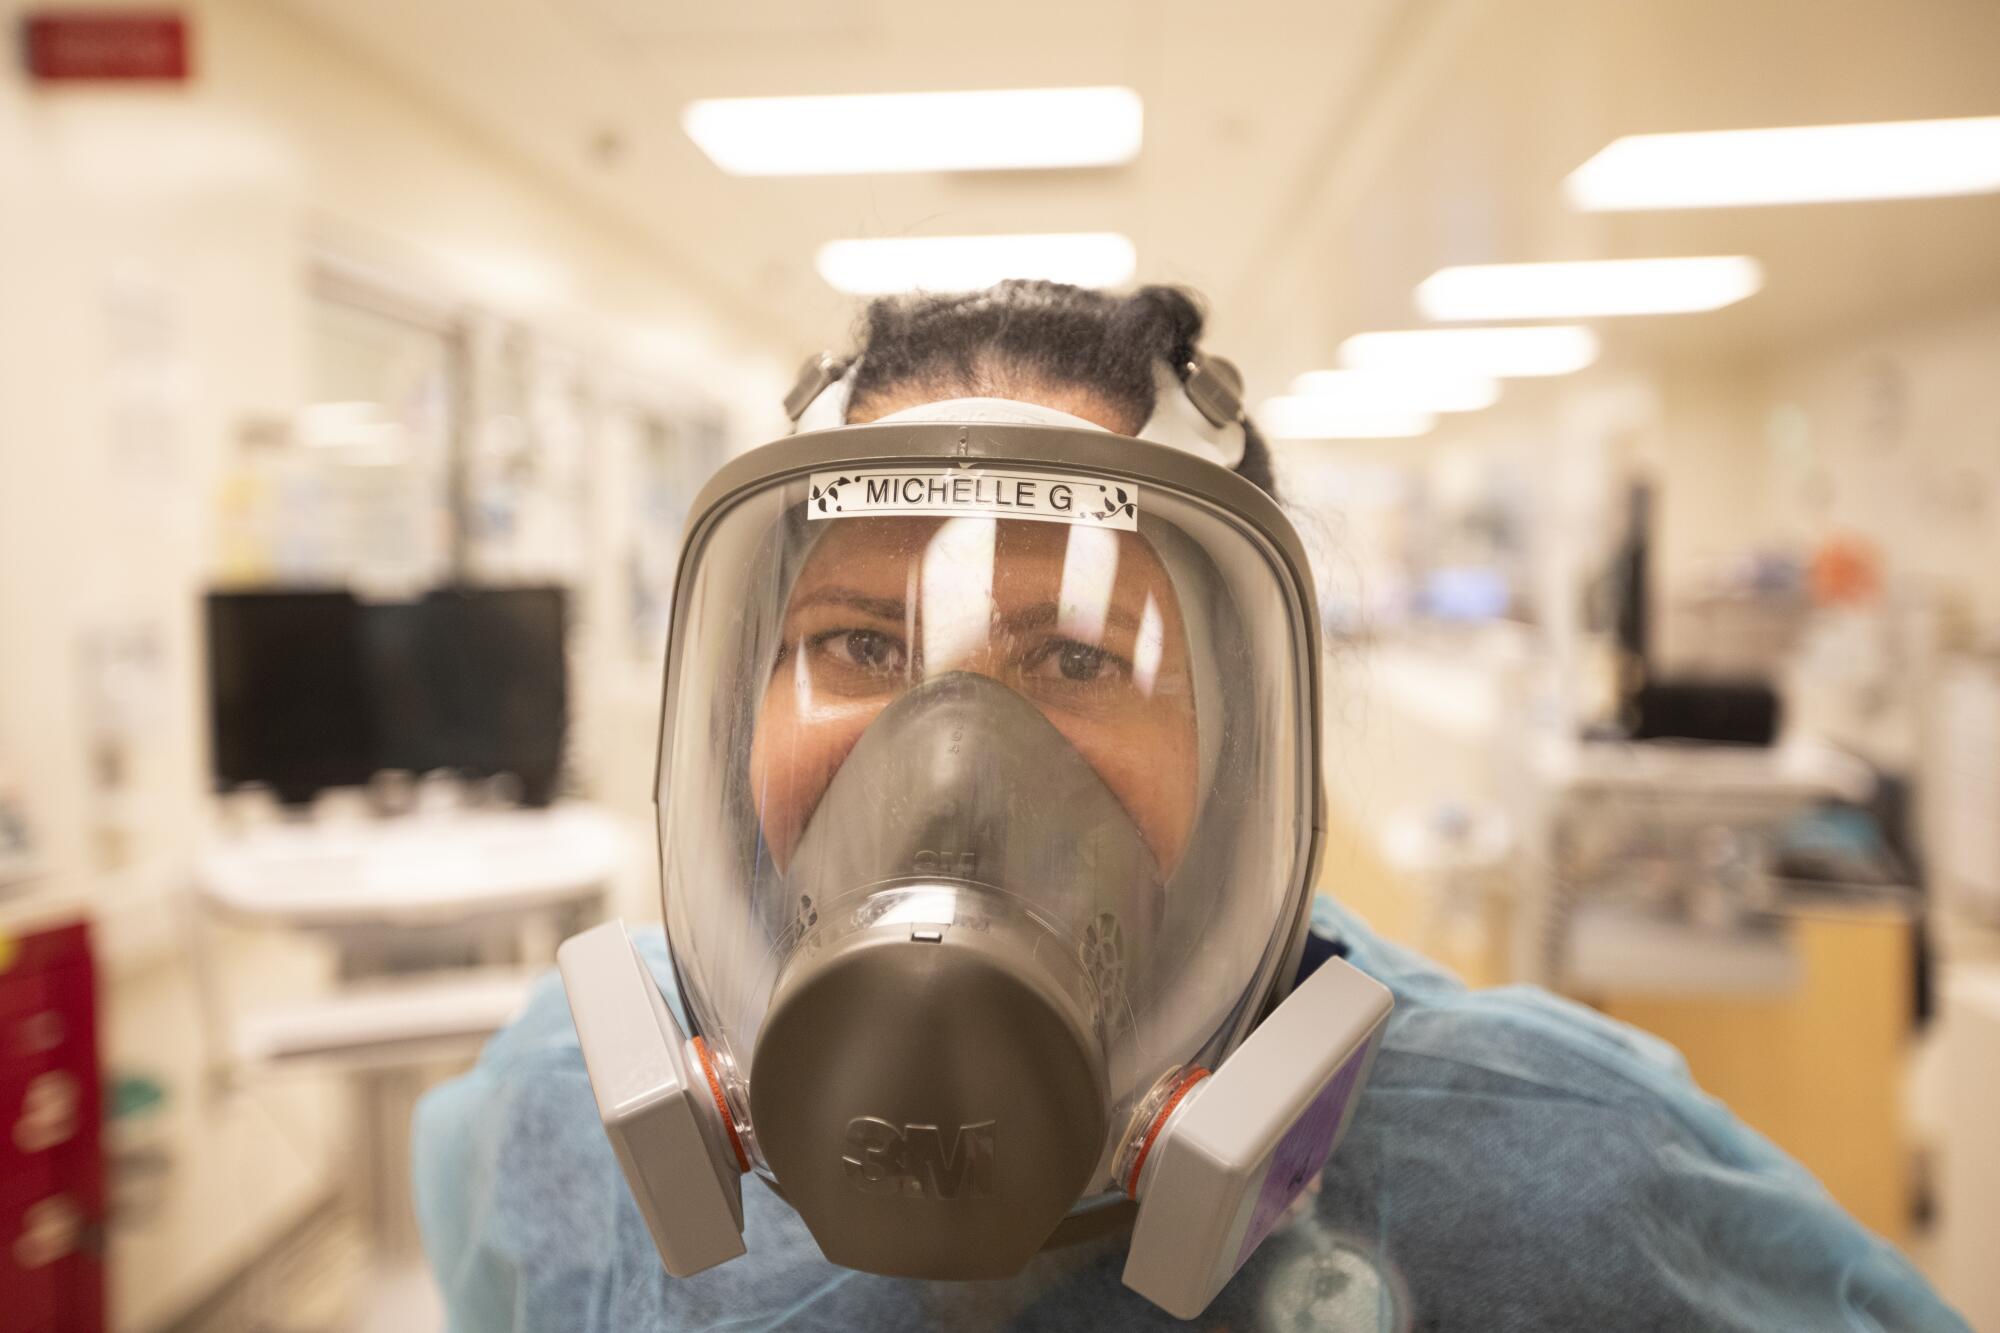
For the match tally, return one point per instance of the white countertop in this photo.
(414, 869)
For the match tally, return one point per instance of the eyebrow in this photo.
(882, 608)
(1044, 614)
(1039, 616)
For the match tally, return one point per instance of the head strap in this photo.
(1198, 407)
(808, 404)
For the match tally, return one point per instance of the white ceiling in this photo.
(1306, 161)
(591, 92)
(1461, 151)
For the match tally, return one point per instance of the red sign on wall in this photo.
(70, 46)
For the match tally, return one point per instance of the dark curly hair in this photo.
(1018, 336)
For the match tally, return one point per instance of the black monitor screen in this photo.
(310, 690)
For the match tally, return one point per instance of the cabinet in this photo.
(52, 1209)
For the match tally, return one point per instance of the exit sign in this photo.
(120, 45)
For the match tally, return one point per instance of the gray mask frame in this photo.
(1085, 452)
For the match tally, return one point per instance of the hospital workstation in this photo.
(877, 665)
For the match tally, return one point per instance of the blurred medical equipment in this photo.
(1741, 623)
(439, 922)
(310, 690)
(1657, 862)
(1460, 860)
(1729, 636)
(1720, 712)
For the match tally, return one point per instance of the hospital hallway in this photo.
(1606, 600)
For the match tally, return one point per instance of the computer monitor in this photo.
(317, 689)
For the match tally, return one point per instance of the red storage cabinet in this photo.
(51, 1135)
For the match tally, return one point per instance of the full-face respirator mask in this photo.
(989, 807)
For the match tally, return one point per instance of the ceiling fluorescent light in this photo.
(1550, 349)
(1907, 159)
(1001, 130)
(1381, 390)
(970, 263)
(1579, 290)
(1306, 417)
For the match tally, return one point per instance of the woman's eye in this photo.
(863, 649)
(1074, 662)
(1079, 661)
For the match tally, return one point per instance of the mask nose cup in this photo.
(965, 781)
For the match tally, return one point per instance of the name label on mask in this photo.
(955, 492)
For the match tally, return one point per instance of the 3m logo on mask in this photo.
(916, 1162)
(963, 865)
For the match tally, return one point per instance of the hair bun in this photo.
(1175, 318)
(1024, 338)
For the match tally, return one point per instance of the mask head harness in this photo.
(1198, 408)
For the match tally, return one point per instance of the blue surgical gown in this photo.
(1516, 1162)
